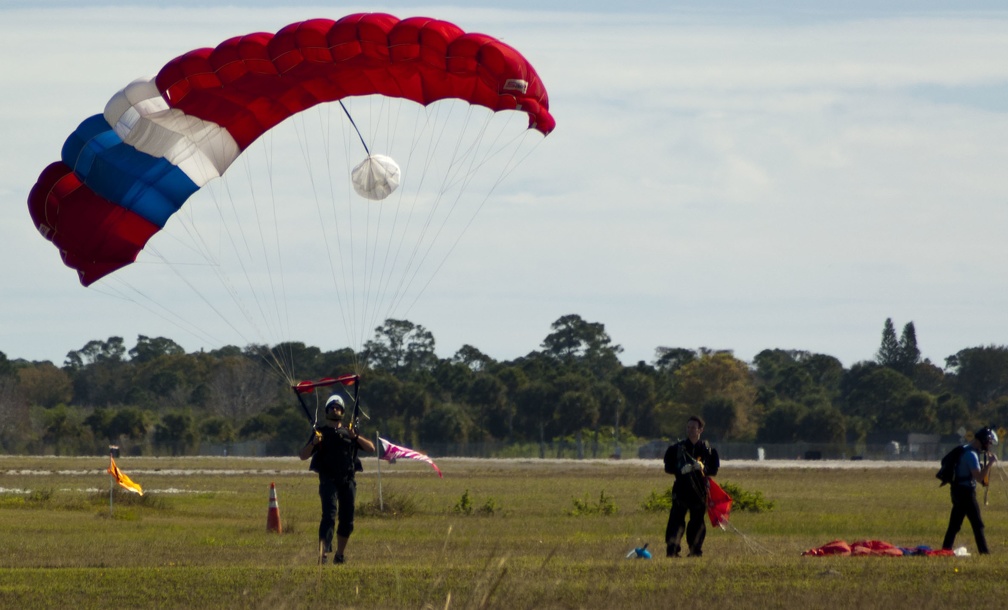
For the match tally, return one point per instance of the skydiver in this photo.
(691, 461)
(332, 449)
(963, 488)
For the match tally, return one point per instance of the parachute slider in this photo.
(303, 387)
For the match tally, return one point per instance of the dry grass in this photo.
(198, 538)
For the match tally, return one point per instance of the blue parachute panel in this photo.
(150, 187)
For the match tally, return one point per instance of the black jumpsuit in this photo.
(333, 460)
(689, 494)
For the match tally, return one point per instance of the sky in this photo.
(721, 176)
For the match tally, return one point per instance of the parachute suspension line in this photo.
(356, 331)
(279, 297)
(749, 542)
(385, 304)
(198, 245)
(345, 303)
(271, 326)
(458, 177)
(284, 368)
(143, 300)
(513, 162)
(431, 132)
(374, 287)
(268, 328)
(177, 321)
(281, 317)
(367, 248)
(401, 244)
(238, 245)
(305, 145)
(344, 283)
(209, 303)
(214, 263)
(325, 130)
(354, 125)
(257, 297)
(365, 289)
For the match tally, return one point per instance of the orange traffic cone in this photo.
(273, 516)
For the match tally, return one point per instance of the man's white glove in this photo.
(688, 468)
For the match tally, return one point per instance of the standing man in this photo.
(964, 501)
(691, 461)
(333, 451)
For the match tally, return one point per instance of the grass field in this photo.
(491, 534)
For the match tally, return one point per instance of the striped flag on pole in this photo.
(391, 452)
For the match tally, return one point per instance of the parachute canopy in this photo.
(719, 504)
(873, 548)
(125, 172)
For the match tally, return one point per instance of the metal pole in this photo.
(381, 500)
(111, 484)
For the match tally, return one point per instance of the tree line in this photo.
(155, 398)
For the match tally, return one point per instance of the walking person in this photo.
(333, 452)
(691, 461)
(964, 501)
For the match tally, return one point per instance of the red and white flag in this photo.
(390, 452)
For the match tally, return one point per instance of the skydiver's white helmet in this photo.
(334, 407)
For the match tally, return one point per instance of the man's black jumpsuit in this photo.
(333, 460)
(689, 494)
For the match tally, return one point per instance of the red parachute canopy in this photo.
(250, 83)
(873, 548)
(115, 188)
(719, 504)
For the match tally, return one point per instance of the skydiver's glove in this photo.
(316, 438)
(688, 468)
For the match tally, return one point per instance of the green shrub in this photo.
(489, 507)
(40, 497)
(464, 506)
(8, 501)
(750, 501)
(658, 502)
(393, 506)
(605, 506)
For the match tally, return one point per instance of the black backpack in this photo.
(947, 472)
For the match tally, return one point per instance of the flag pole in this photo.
(381, 499)
(112, 450)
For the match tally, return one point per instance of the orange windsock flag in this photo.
(121, 478)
